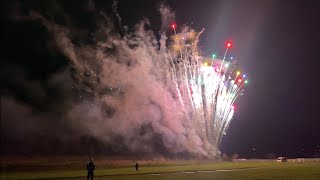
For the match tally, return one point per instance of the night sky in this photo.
(275, 42)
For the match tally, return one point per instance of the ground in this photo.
(38, 168)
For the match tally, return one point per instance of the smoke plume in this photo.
(117, 88)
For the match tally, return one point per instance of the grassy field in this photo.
(165, 170)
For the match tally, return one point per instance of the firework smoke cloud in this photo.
(138, 92)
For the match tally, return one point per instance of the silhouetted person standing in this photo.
(90, 168)
(137, 166)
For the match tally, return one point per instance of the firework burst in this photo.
(207, 87)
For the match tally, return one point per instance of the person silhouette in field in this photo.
(137, 166)
(90, 168)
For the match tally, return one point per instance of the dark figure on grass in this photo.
(90, 168)
(137, 166)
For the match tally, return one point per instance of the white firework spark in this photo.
(205, 86)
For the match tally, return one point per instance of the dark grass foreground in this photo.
(192, 169)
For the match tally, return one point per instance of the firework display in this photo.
(136, 92)
(207, 87)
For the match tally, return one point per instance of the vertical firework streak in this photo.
(206, 92)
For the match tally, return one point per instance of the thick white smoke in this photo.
(133, 98)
